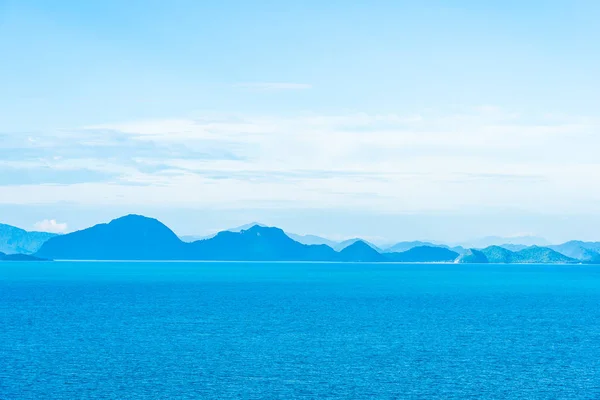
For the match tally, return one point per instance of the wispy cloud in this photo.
(273, 85)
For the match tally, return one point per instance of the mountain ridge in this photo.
(135, 237)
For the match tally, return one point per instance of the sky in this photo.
(389, 120)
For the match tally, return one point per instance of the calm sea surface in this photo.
(298, 331)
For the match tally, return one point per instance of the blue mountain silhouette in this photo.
(135, 237)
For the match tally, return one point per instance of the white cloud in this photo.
(274, 85)
(50, 225)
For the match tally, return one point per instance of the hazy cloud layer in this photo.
(482, 158)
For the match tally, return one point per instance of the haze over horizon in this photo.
(389, 120)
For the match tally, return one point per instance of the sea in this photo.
(202, 330)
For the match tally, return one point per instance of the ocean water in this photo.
(298, 331)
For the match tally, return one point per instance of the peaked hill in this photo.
(346, 243)
(499, 255)
(360, 251)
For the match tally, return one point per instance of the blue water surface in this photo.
(119, 330)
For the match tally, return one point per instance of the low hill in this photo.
(17, 240)
(424, 254)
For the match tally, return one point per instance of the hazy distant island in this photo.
(135, 237)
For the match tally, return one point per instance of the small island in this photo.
(20, 257)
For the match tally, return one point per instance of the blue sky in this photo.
(394, 120)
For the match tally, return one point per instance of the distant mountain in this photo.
(360, 251)
(16, 240)
(342, 245)
(513, 247)
(424, 254)
(132, 237)
(258, 244)
(529, 255)
(501, 241)
(194, 238)
(457, 249)
(404, 246)
(585, 251)
(313, 239)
